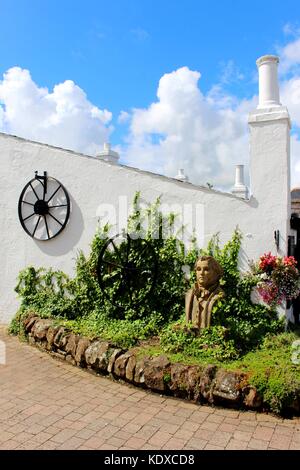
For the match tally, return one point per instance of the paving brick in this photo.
(174, 444)
(58, 406)
(6, 436)
(283, 431)
(209, 426)
(146, 432)
(296, 436)
(190, 426)
(214, 418)
(294, 445)
(220, 438)
(94, 442)
(263, 433)
(227, 427)
(160, 438)
(257, 444)
(196, 443)
(170, 428)
(183, 434)
(213, 447)
(85, 433)
(135, 442)
(242, 435)
(70, 444)
(235, 444)
(280, 443)
(9, 445)
(63, 435)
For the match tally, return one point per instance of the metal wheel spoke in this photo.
(41, 208)
(128, 248)
(52, 195)
(34, 191)
(55, 219)
(127, 270)
(29, 203)
(36, 226)
(112, 263)
(116, 250)
(47, 228)
(28, 217)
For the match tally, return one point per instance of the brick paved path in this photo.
(48, 404)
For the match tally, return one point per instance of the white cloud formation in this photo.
(290, 53)
(64, 117)
(123, 117)
(205, 135)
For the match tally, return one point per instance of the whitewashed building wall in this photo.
(92, 182)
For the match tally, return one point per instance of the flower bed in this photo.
(207, 383)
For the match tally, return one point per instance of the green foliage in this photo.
(243, 336)
(44, 291)
(238, 325)
(247, 323)
(123, 333)
(210, 343)
(52, 293)
(271, 370)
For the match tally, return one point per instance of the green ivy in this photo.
(238, 325)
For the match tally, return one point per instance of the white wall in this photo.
(91, 182)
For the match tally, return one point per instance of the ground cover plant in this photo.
(244, 336)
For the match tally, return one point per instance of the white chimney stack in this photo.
(268, 81)
(181, 176)
(108, 155)
(240, 189)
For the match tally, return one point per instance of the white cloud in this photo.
(231, 73)
(289, 56)
(205, 135)
(63, 117)
(123, 117)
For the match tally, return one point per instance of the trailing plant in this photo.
(241, 325)
(278, 279)
(247, 323)
(211, 342)
(55, 294)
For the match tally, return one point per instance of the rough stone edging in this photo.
(208, 384)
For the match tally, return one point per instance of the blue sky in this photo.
(117, 51)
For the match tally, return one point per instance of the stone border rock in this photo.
(201, 384)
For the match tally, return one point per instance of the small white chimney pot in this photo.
(240, 189)
(181, 176)
(268, 82)
(108, 155)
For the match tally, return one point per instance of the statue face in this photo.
(205, 274)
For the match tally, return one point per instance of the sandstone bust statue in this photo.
(200, 300)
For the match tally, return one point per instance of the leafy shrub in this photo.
(238, 325)
(52, 293)
(272, 372)
(247, 323)
(211, 343)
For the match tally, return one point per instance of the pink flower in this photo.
(289, 261)
(280, 279)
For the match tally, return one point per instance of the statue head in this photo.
(208, 271)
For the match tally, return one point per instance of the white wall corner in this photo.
(269, 127)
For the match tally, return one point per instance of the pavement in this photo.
(48, 404)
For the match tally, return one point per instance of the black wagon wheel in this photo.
(44, 207)
(127, 270)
